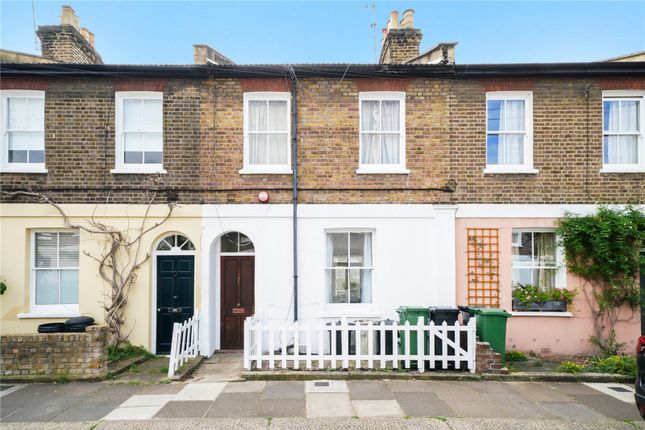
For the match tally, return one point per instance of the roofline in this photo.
(624, 56)
(635, 68)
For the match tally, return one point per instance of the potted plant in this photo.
(530, 298)
(558, 300)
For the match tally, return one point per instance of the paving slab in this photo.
(622, 392)
(539, 392)
(42, 402)
(512, 405)
(284, 390)
(482, 408)
(48, 426)
(326, 386)
(610, 407)
(409, 386)
(98, 404)
(245, 387)
(369, 390)
(377, 408)
(423, 404)
(200, 392)
(235, 405)
(146, 400)
(571, 388)
(133, 413)
(572, 411)
(281, 408)
(172, 388)
(189, 409)
(329, 405)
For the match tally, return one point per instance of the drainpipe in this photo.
(294, 163)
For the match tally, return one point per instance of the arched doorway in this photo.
(175, 286)
(237, 287)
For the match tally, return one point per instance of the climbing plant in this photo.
(604, 250)
(118, 261)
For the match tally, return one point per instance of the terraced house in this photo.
(307, 191)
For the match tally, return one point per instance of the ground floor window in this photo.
(349, 267)
(534, 268)
(55, 269)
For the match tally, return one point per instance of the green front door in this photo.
(175, 295)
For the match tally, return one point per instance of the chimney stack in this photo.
(68, 42)
(204, 54)
(400, 44)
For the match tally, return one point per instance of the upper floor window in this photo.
(509, 132)
(267, 132)
(23, 131)
(349, 267)
(382, 129)
(55, 265)
(623, 139)
(139, 132)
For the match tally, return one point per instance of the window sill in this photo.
(350, 311)
(542, 314)
(34, 171)
(382, 171)
(52, 314)
(510, 171)
(266, 171)
(626, 169)
(138, 172)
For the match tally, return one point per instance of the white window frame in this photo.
(343, 306)
(5, 166)
(560, 269)
(527, 166)
(280, 169)
(45, 310)
(380, 96)
(615, 95)
(119, 165)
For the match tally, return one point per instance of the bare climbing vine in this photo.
(119, 260)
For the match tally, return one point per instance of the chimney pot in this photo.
(393, 22)
(68, 17)
(408, 19)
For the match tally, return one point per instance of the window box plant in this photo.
(529, 298)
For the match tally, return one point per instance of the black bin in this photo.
(78, 324)
(388, 340)
(51, 328)
(351, 340)
(438, 316)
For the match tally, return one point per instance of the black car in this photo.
(639, 395)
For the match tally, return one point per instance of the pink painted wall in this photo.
(540, 334)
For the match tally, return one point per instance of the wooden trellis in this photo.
(483, 267)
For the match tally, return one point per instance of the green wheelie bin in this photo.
(411, 314)
(491, 328)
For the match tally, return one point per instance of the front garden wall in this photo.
(54, 356)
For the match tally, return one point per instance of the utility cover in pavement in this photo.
(321, 384)
(620, 389)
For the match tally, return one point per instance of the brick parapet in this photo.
(51, 356)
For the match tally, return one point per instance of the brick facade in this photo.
(445, 133)
(50, 356)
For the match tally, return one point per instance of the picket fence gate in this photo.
(273, 344)
(185, 343)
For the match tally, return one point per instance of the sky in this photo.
(163, 32)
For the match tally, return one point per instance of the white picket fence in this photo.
(185, 343)
(376, 345)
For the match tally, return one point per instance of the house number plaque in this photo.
(238, 310)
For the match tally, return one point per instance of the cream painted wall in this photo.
(18, 221)
(540, 334)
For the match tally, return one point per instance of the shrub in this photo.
(621, 364)
(127, 351)
(515, 356)
(570, 367)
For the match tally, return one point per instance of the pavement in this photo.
(216, 397)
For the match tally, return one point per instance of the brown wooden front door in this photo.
(238, 298)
